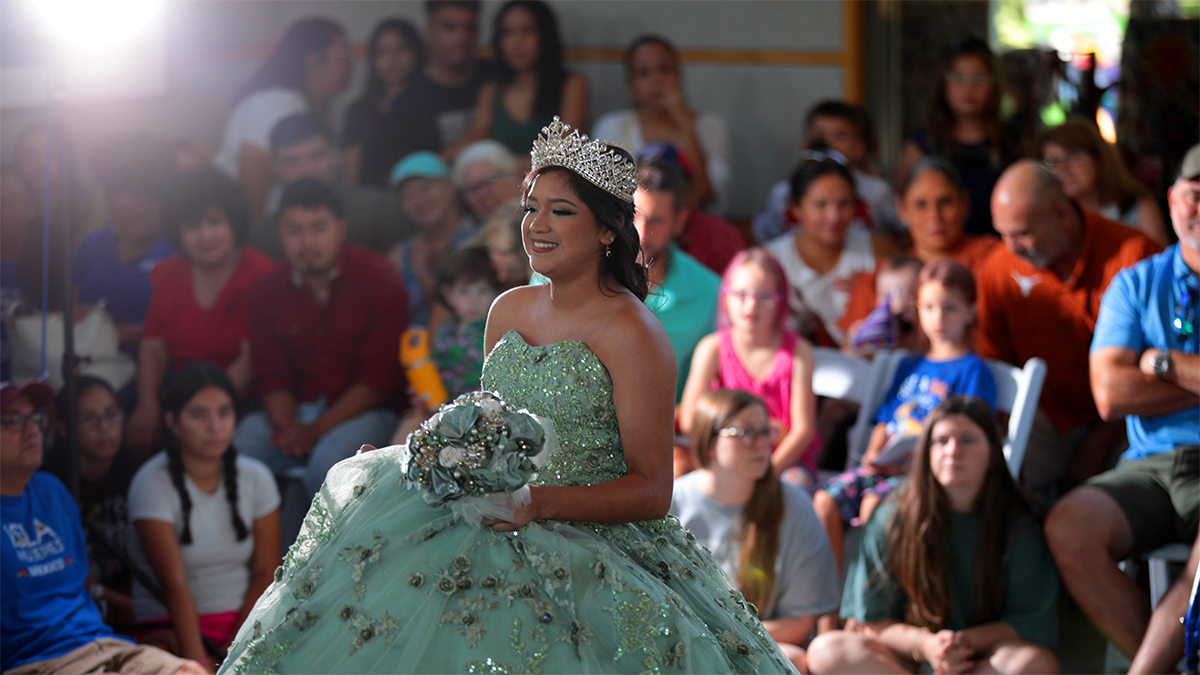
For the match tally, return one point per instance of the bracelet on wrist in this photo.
(914, 645)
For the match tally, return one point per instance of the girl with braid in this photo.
(206, 519)
(762, 531)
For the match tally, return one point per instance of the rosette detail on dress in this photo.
(476, 456)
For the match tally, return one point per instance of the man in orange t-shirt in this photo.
(1039, 295)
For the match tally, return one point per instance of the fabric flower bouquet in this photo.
(476, 456)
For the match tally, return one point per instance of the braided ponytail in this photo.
(175, 467)
(229, 469)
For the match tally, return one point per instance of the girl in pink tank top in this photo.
(753, 352)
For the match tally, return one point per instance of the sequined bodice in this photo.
(565, 382)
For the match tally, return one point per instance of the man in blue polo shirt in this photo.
(49, 623)
(1145, 367)
(683, 292)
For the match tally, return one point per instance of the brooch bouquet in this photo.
(476, 456)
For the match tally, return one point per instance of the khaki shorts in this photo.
(1159, 495)
(106, 655)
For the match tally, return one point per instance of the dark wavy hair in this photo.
(193, 192)
(286, 66)
(550, 71)
(375, 86)
(918, 553)
(762, 515)
(612, 214)
(180, 388)
(941, 118)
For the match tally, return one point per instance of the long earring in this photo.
(607, 251)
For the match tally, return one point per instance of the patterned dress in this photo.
(379, 581)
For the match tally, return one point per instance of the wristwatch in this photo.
(1162, 365)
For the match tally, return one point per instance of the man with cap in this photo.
(1145, 367)
(325, 327)
(421, 183)
(302, 147)
(50, 622)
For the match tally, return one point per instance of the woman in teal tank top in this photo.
(586, 573)
(531, 85)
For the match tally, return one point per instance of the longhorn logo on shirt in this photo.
(1025, 283)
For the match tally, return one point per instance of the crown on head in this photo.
(560, 145)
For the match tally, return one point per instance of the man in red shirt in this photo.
(325, 328)
(1039, 295)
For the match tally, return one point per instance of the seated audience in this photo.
(377, 133)
(952, 573)
(760, 530)
(965, 126)
(206, 519)
(309, 67)
(707, 237)
(422, 185)
(501, 236)
(198, 309)
(1145, 367)
(50, 622)
(325, 328)
(752, 351)
(823, 257)
(933, 205)
(847, 130)
(444, 91)
(488, 176)
(21, 247)
(892, 323)
(1056, 262)
(531, 84)
(683, 293)
(106, 467)
(302, 148)
(1094, 175)
(660, 113)
(946, 311)
(112, 264)
(55, 168)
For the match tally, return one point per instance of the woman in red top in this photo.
(198, 307)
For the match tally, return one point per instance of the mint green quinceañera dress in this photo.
(381, 582)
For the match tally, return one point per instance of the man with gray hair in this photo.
(1039, 295)
(488, 176)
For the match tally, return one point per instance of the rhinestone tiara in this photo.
(560, 145)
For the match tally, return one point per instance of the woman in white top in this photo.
(823, 255)
(660, 114)
(309, 67)
(206, 520)
(761, 531)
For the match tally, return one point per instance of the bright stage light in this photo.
(97, 25)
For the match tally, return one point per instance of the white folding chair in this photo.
(853, 378)
(1017, 393)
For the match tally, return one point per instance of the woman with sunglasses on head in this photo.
(824, 255)
(106, 468)
(965, 126)
(761, 531)
(952, 572)
(1094, 176)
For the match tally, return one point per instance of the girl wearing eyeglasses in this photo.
(753, 352)
(965, 127)
(106, 468)
(761, 531)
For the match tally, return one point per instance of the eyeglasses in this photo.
(1071, 157)
(481, 184)
(764, 299)
(107, 418)
(747, 435)
(959, 78)
(823, 156)
(1183, 324)
(15, 423)
(1189, 197)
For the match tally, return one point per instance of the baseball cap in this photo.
(665, 152)
(39, 393)
(423, 164)
(1189, 169)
